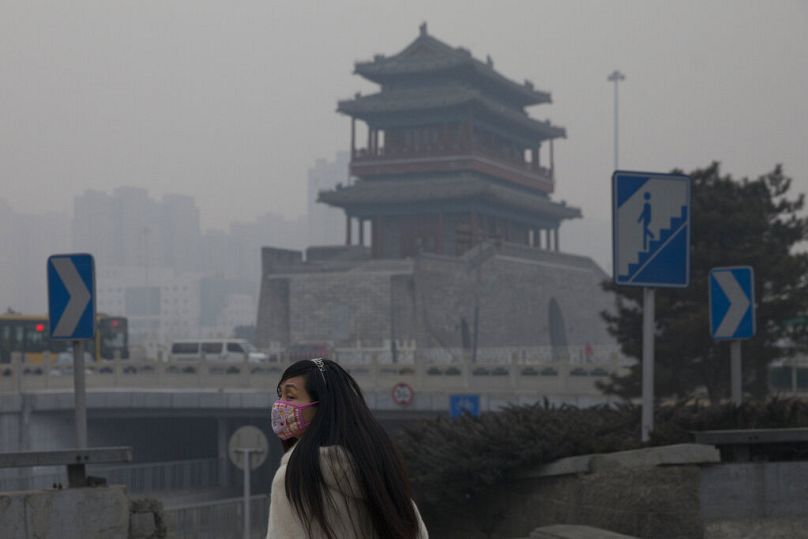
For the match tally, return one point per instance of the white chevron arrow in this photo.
(738, 303)
(79, 297)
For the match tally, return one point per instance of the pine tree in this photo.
(746, 222)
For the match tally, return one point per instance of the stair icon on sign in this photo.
(657, 244)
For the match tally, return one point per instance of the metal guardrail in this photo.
(143, 478)
(751, 436)
(222, 519)
(740, 445)
(32, 481)
(551, 377)
(76, 460)
(161, 476)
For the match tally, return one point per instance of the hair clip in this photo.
(318, 361)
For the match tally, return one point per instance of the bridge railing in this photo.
(547, 376)
(160, 476)
(218, 519)
(140, 478)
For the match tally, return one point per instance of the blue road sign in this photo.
(71, 296)
(464, 404)
(651, 229)
(732, 303)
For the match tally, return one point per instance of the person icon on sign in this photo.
(645, 219)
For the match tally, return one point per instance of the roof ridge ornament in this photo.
(422, 28)
(489, 61)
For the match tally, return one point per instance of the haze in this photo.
(232, 103)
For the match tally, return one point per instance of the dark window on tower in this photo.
(558, 330)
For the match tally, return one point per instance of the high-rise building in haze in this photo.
(178, 219)
(156, 266)
(96, 227)
(128, 228)
(26, 241)
(325, 223)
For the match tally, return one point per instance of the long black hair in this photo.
(344, 419)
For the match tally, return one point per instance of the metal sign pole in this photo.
(735, 374)
(244, 443)
(80, 394)
(246, 492)
(647, 363)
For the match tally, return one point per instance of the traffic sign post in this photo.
(464, 404)
(648, 323)
(71, 316)
(651, 249)
(248, 449)
(732, 315)
(80, 394)
(403, 394)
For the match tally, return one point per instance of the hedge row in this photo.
(453, 460)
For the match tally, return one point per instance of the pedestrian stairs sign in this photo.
(651, 229)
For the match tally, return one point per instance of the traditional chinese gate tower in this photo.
(451, 190)
(451, 159)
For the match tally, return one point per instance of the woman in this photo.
(341, 477)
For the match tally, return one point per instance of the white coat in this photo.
(348, 520)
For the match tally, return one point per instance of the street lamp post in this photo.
(615, 77)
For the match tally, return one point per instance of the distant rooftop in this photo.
(428, 55)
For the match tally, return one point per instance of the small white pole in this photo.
(735, 374)
(647, 363)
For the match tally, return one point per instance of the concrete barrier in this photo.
(79, 513)
(671, 492)
(565, 531)
(650, 492)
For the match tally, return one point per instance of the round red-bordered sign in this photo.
(403, 394)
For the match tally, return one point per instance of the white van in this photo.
(224, 350)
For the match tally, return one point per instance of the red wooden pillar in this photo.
(552, 161)
(353, 138)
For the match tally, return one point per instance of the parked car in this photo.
(63, 364)
(223, 350)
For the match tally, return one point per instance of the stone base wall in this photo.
(657, 502)
(755, 500)
(519, 297)
(82, 513)
(672, 492)
(763, 528)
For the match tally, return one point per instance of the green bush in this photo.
(451, 461)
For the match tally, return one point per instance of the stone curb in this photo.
(668, 455)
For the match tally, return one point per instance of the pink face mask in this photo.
(287, 419)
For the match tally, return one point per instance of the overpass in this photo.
(178, 415)
(150, 384)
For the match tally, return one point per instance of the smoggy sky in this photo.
(231, 102)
